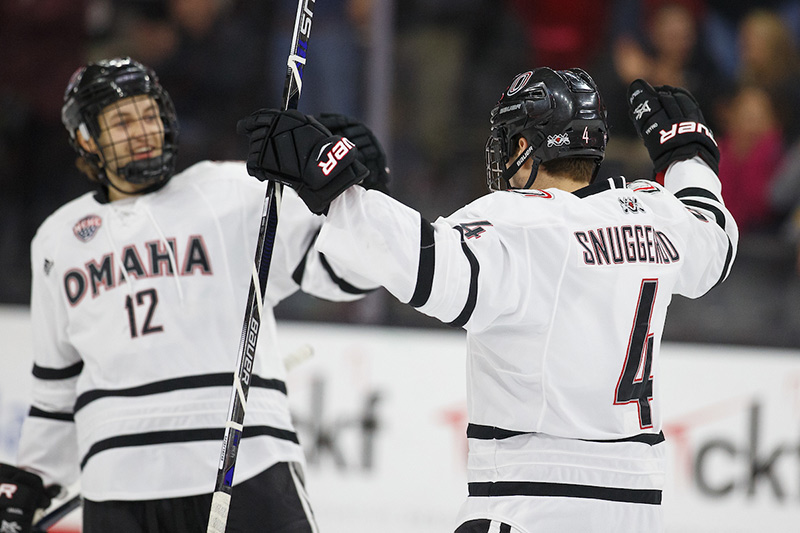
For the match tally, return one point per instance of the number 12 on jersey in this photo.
(152, 302)
(635, 383)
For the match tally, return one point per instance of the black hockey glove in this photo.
(370, 151)
(669, 121)
(298, 151)
(21, 494)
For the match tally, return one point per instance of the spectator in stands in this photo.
(562, 34)
(40, 41)
(784, 197)
(751, 147)
(722, 23)
(217, 72)
(660, 42)
(438, 47)
(769, 58)
(136, 28)
(337, 55)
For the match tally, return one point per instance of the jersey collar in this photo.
(616, 182)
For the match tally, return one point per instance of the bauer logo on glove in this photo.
(685, 127)
(671, 124)
(334, 155)
(7, 490)
(298, 151)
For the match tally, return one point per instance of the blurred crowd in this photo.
(450, 60)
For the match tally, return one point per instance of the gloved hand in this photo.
(21, 494)
(669, 121)
(298, 151)
(370, 151)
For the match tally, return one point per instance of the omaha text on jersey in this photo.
(147, 261)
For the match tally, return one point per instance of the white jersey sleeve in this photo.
(383, 240)
(433, 267)
(50, 428)
(297, 264)
(711, 229)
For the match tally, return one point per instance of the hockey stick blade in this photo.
(221, 499)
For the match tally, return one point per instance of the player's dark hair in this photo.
(578, 169)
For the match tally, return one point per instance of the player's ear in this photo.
(85, 140)
(522, 144)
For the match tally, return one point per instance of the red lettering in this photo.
(8, 490)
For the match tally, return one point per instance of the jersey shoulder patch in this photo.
(645, 186)
(533, 193)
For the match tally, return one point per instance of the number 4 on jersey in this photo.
(636, 383)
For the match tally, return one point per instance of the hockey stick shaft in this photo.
(220, 504)
(56, 514)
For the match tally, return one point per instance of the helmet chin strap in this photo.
(140, 172)
(515, 167)
(151, 188)
(138, 168)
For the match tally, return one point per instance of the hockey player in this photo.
(137, 304)
(561, 281)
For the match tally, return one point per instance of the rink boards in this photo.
(381, 415)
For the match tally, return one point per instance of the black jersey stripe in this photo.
(564, 490)
(343, 285)
(426, 266)
(224, 379)
(646, 438)
(482, 525)
(481, 432)
(298, 273)
(472, 296)
(71, 371)
(697, 191)
(720, 218)
(727, 266)
(718, 214)
(51, 415)
(182, 436)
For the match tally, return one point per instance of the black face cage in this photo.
(496, 160)
(500, 150)
(153, 170)
(84, 105)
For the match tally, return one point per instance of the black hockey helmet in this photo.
(97, 85)
(559, 112)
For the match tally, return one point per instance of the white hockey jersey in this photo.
(563, 297)
(137, 309)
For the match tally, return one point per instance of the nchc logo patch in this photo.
(86, 227)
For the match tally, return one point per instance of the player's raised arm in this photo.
(686, 161)
(313, 272)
